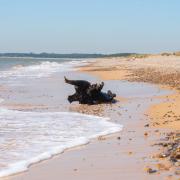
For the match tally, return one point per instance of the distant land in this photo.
(80, 55)
(73, 55)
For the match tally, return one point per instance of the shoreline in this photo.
(112, 143)
(104, 139)
(164, 115)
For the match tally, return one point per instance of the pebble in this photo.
(145, 134)
(147, 125)
(163, 155)
(150, 170)
(177, 164)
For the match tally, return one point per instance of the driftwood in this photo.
(87, 93)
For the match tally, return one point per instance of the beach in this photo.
(147, 107)
(90, 90)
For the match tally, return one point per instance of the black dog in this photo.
(87, 93)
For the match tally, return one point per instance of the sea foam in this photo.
(29, 137)
(43, 69)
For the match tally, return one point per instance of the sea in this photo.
(27, 137)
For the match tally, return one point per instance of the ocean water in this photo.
(14, 68)
(29, 137)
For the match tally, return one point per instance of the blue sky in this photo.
(89, 26)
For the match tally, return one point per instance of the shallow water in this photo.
(28, 137)
(13, 70)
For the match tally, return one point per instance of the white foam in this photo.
(29, 137)
(44, 69)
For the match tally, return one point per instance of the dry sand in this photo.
(155, 68)
(128, 154)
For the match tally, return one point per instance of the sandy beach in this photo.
(148, 146)
(90, 90)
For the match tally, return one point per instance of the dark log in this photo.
(87, 93)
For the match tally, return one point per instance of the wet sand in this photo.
(165, 116)
(129, 154)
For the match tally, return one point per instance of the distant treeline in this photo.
(74, 55)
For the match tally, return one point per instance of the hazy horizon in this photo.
(66, 26)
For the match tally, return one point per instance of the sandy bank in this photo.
(155, 68)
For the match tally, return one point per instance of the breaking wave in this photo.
(29, 137)
(44, 69)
